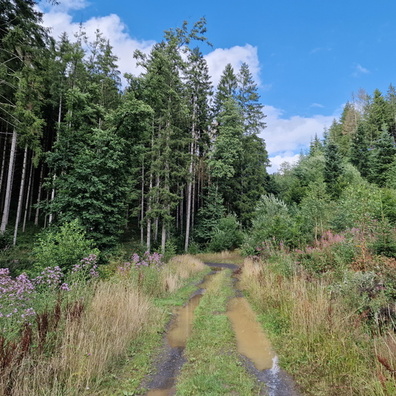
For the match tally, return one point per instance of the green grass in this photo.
(213, 366)
(126, 377)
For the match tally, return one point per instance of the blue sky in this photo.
(307, 56)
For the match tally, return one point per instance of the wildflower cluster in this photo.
(16, 296)
(50, 278)
(87, 266)
(146, 260)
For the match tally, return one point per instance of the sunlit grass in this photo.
(319, 341)
(227, 257)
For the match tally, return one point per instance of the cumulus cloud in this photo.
(287, 137)
(220, 57)
(59, 20)
(280, 159)
(111, 26)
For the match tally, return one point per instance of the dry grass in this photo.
(228, 257)
(318, 340)
(179, 268)
(88, 346)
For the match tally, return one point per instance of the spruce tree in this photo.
(248, 99)
(360, 155)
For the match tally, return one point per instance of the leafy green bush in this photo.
(64, 247)
(228, 235)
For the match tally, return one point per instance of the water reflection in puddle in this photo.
(251, 340)
(160, 392)
(181, 328)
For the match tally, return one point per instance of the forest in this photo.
(170, 164)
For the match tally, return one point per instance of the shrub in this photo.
(64, 247)
(228, 235)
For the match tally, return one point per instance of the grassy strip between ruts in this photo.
(126, 377)
(213, 366)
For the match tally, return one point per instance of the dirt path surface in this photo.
(255, 350)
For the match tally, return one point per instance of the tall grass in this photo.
(178, 269)
(67, 348)
(319, 340)
(89, 340)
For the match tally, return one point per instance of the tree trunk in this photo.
(36, 217)
(142, 207)
(188, 209)
(7, 200)
(163, 237)
(148, 210)
(28, 197)
(21, 191)
(3, 161)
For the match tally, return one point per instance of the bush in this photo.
(228, 235)
(64, 247)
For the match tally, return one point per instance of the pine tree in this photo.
(248, 99)
(360, 154)
(333, 169)
(383, 156)
(226, 89)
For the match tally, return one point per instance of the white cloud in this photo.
(220, 57)
(111, 27)
(317, 105)
(59, 20)
(359, 70)
(280, 159)
(286, 137)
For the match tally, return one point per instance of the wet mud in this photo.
(171, 358)
(253, 345)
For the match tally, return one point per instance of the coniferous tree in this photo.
(360, 155)
(248, 99)
(226, 89)
(333, 169)
(383, 156)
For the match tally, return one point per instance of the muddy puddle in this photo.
(251, 340)
(182, 325)
(179, 331)
(252, 343)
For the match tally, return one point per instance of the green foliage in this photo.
(358, 206)
(315, 211)
(333, 169)
(95, 189)
(385, 240)
(383, 156)
(63, 247)
(209, 216)
(272, 221)
(227, 236)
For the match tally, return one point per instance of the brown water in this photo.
(181, 328)
(161, 392)
(251, 340)
(178, 334)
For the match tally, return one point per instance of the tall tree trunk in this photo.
(3, 161)
(40, 188)
(28, 197)
(21, 191)
(148, 210)
(142, 207)
(51, 216)
(156, 221)
(7, 200)
(188, 209)
(163, 236)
